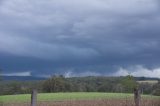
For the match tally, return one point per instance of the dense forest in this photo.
(80, 84)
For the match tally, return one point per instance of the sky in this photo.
(80, 37)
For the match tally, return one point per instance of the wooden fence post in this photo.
(1, 103)
(34, 98)
(137, 97)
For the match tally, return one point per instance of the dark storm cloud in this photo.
(92, 36)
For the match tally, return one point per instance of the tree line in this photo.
(59, 83)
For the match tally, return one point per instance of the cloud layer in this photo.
(84, 35)
(138, 71)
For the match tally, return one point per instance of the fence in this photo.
(34, 98)
(137, 97)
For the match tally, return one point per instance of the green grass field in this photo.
(68, 96)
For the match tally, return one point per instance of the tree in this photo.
(0, 74)
(106, 87)
(156, 89)
(1, 88)
(55, 84)
(129, 83)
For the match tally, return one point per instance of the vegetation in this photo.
(90, 84)
(79, 84)
(19, 87)
(86, 91)
(1, 102)
(0, 74)
(156, 90)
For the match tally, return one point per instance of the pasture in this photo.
(65, 96)
(79, 99)
(148, 81)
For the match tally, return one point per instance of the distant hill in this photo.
(22, 78)
(145, 78)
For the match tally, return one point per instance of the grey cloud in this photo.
(88, 35)
(27, 47)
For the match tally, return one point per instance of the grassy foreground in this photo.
(68, 96)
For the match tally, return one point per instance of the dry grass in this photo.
(148, 81)
(101, 102)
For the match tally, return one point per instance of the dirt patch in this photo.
(101, 102)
